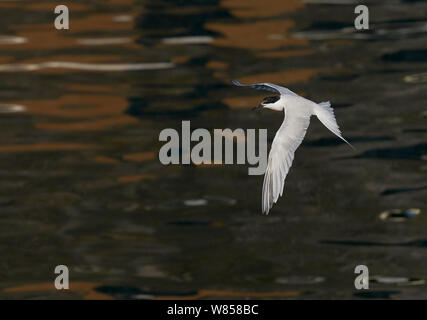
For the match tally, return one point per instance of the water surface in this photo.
(80, 181)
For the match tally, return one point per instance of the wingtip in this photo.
(349, 144)
(265, 210)
(236, 83)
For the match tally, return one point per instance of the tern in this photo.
(298, 111)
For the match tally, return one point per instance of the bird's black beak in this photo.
(257, 107)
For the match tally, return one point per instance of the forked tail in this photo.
(325, 113)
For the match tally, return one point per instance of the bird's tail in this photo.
(326, 104)
(325, 113)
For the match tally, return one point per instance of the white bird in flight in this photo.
(298, 111)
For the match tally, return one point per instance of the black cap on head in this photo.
(271, 99)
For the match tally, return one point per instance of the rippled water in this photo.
(81, 184)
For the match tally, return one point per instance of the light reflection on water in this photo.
(81, 184)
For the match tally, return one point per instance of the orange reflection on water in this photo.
(49, 6)
(256, 35)
(93, 105)
(215, 64)
(220, 294)
(107, 110)
(140, 156)
(135, 178)
(282, 77)
(120, 2)
(105, 160)
(89, 125)
(89, 106)
(5, 59)
(180, 59)
(46, 146)
(85, 288)
(82, 58)
(260, 9)
(285, 54)
(264, 38)
(44, 36)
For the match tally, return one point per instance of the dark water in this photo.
(81, 184)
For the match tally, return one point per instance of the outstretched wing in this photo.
(266, 86)
(286, 141)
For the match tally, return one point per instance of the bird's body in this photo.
(298, 111)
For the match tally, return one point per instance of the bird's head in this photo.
(273, 103)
